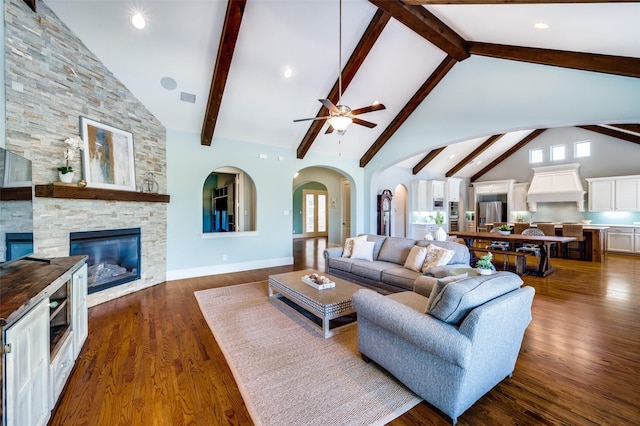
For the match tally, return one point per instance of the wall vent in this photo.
(188, 97)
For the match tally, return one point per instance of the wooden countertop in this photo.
(24, 283)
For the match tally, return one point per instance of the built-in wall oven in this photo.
(453, 217)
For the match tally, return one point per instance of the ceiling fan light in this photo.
(340, 123)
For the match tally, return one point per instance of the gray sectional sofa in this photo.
(386, 273)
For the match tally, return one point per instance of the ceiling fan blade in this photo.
(376, 107)
(314, 118)
(364, 123)
(329, 105)
(330, 129)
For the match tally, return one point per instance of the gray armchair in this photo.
(452, 356)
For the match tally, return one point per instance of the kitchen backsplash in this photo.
(567, 212)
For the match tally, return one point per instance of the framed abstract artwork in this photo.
(107, 156)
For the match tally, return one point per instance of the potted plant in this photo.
(484, 265)
(505, 229)
(440, 234)
(65, 173)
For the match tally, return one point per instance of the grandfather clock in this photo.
(384, 213)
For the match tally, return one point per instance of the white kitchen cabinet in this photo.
(453, 190)
(493, 187)
(418, 195)
(520, 197)
(435, 195)
(26, 357)
(627, 195)
(621, 239)
(620, 193)
(636, 238)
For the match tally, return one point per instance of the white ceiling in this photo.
(182, 36)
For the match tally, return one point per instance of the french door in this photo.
(314, 213)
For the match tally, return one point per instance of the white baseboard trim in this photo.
(179, 274)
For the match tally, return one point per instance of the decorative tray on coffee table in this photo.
(319, 282)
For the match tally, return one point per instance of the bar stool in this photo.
(549, 229)
(518, 227)
(573, 230)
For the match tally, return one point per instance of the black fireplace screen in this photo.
(113, 256)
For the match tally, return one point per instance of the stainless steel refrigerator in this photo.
(489, 212)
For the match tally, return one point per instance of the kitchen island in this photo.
(595, 237)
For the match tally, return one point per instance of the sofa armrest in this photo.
(332, 252)
(422, 330)
(424, 284)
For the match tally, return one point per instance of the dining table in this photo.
(544, 242)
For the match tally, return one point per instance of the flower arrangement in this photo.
(485, 262)
(69, 154)
(438, 218)
(505, 228)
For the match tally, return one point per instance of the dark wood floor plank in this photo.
(151, 359)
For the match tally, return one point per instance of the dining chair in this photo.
(573, 230)
(518, 227)
(531, 247)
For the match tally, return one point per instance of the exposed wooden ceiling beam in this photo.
(427, 25)
(508, 153)
(406, 111)
(608, 64)
(228, 39)
(427, 159)
(630, 127)
(31, 4)
(427, 2)
(367, 41)
(479, 150)
(613, 133)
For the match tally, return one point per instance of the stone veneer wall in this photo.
(51, 80)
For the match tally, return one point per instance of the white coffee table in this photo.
(327, 304)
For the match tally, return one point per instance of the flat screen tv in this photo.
(16, 207)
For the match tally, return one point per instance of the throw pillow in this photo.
(415, 259)
(363, 250)
(440, 285)
(436, 256)
(348, 245)
(459, 298)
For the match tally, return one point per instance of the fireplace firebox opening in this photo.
(113, 256)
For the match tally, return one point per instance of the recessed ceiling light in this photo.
(288, 72)
(137, 20)
(541, 26)
(452, 155)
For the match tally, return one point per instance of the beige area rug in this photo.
(287, 373)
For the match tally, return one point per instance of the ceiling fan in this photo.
(340, 116)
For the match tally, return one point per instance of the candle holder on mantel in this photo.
(149, 184)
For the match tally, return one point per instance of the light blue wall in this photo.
(485, 96)
(191, 253)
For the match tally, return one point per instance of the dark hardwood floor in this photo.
(150, 358)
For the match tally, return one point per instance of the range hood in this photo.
(552, 184)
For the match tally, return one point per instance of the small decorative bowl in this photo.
(585, 221)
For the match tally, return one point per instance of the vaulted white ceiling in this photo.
(259, 104)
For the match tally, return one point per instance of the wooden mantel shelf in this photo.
(61, 190)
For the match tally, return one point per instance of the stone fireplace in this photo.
(113, 256)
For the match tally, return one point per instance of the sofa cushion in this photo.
(400, 277)
(459, 298)
(461, 255)
(348, 245)
(395, 249)
(362, 250)
(371, 270)
(408, 298)
(439, 286)
(436, 256)
(340, 263)
(415, 259)
(378, 239)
